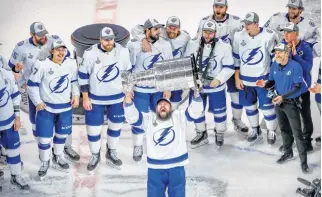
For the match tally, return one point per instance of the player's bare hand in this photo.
(239, 84)
(17, 76)
(260, 83)
(316, 88)
(19, 67)
(87, 104)
(41, 106)
(146, 45)
(214, 83)
(75, 102)
(129, 98)
(294, 48)
(16, 124)
(278, 100)
(167, 94)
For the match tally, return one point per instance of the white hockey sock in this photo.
(221, 122)
(59, 143)
(236, 108)
(113, 134)
(252, 115)
(94, 138)
(44, 148)
(13, 160)
(69, 140)
(270, 119)
(137, 139)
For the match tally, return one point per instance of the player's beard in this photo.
(154, 38)
(108, 47)
(220, 16)
(41, 41)
(172, 35)
(164, 118)
(294, 15)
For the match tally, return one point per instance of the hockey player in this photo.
(252, 49)
(301, 52)
(22, 60)
(9, 126)
(178, 39)
(145, 98)
(215, 62)
(316, 89)
(166, 143)
(50, 87)
(101, 87)
(308, 31)
(227, 25)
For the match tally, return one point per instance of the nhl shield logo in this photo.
(108, 31)
(243, 43)
(51, 72)
(209, 24)
(173, 20)
(40, 27)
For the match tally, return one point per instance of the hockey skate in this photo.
(112, 159)
(137, 153)
(240, 127)
(71, 155)
(42, 172)
(23, 130)
(59, 163)
(271, 137)
(3, 156)
(219, 136)
(255, 136)
(93, 162)
(200, 139)
(18, 182)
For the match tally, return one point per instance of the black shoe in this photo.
(305, 168)
(285, 157)
(318, 141)
(308, 146)
(281, 149)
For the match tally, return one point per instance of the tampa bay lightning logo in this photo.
(149, 61)
(4, 97)
(177, 53)
(225, 38)
(108, 73)
(164, 137)
(206, 60)
(59, 84)
(252, 56)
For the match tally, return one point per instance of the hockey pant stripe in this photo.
(236, 105)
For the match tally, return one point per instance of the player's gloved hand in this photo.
(167, 94)
(260, 83)
(16, 124)
(214, 83)
(128, 98)
(316, 88)
(75, 102)
(19, 67)
(41, 106)
(87, 104)
(239, 84)
(146, 45)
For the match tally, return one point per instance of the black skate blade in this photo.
(109, 163)
(258, 140)
(94, 171)
(202, 143)
(70, 160)
(16, 188)
(58, 168)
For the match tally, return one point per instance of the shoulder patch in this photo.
(276, 14)
(206, 18)
(312, 24)
(89, 49)
(20, 43)
(236, 17)
(269, 31)
(55, 36)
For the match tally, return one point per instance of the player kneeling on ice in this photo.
(50, 87)
(101, 87)
(166, 143)
(9, 126)
(215, 65)
(285, 82)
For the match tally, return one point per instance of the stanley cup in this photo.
(169, 75)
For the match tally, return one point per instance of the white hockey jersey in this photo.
(309, 32)
(27, 53)
(225, 29)
(4, 63)
(178, 44)
(9, 97)
(253, 55)
(222, 61)
(166, 140)
(100, 74)
(53, 84)
(161, 50)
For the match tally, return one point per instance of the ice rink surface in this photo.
(236, 170)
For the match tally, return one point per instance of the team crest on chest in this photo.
(59, 84)
(252, 56)
(150, 60)
(164, 137)
(4, 96)
(108, 73)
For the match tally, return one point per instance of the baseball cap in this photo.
(291, 27)
(107, 34)
(38, 29)
(295, 4)
(251, 17)
(57, 44)
(152, 23)
(173, 21)
(221, 2)
(163, 99)
(209, 26)
(281, 47)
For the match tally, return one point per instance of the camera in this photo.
(313, 190)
